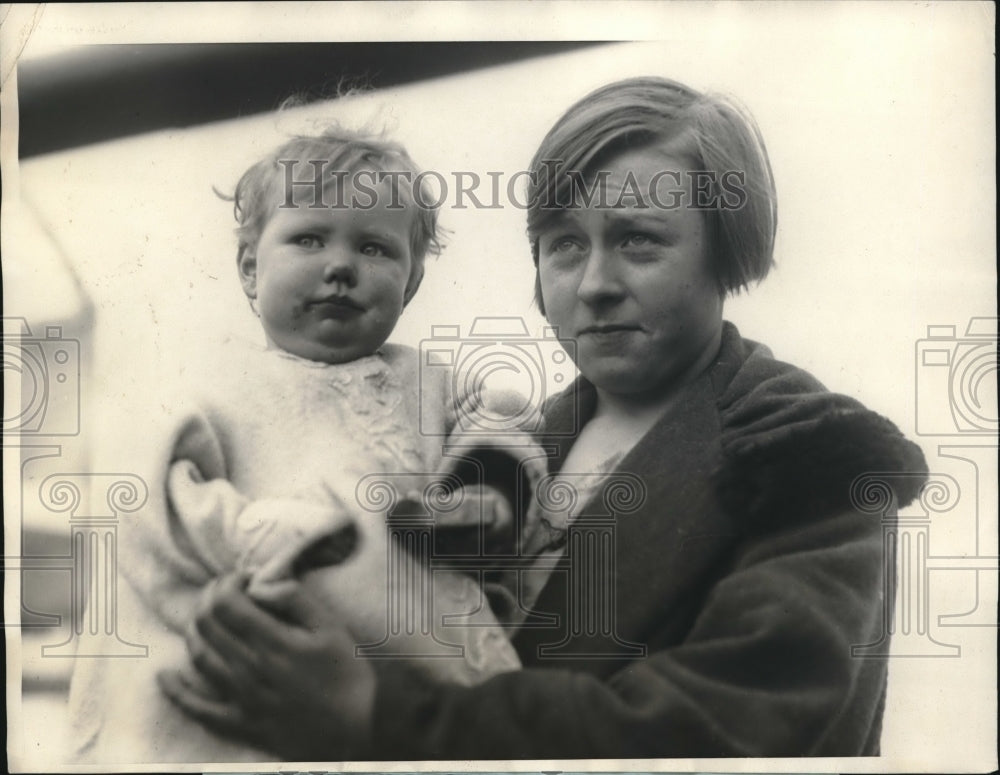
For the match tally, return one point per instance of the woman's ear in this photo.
(416, 276)
(246, 265)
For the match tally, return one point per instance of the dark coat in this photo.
(741, 576)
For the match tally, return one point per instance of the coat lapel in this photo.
(666, 544)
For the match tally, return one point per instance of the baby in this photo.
(275, 465)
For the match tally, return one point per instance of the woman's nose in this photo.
(600, 282)
(340, 267)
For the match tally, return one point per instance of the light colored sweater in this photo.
(246, 472)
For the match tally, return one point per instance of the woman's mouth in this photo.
(607, 329)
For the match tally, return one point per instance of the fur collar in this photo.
(789, 449)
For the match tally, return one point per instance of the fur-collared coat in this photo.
(737, 588)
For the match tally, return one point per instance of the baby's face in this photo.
(330, 284)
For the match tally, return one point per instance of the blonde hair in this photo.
(340, 151)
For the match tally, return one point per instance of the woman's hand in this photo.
(289, 674)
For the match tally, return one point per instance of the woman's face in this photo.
(632, 285)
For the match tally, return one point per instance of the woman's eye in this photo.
(374, 249)
(563, 245)
(638, 241)
(308, 241)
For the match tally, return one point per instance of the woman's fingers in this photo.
(287, 671)
(221, 716)
(224, 662)
(293, 603)
(234, 624)
(289, 674)
(232, 641)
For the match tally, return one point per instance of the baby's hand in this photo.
(482, 522)
(479, 504)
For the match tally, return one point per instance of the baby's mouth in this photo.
(337, 306)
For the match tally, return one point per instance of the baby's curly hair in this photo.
(264, 185)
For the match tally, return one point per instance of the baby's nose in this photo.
(340, 267)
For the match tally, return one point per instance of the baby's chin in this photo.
(329, 352)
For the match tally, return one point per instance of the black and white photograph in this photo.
(525, 386)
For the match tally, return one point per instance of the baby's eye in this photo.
(374, 250)
(307, 241)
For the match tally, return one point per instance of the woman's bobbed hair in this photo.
(713, 133)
